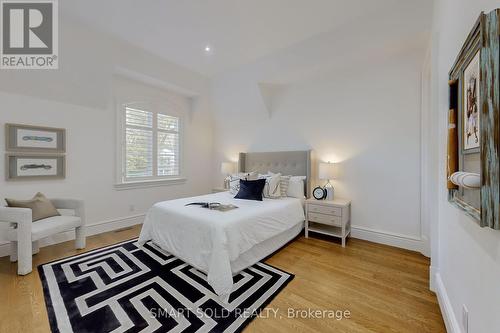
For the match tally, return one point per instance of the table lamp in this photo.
(227, 168)
(326, 172)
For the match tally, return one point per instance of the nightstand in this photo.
(329, 217)
(219, 189)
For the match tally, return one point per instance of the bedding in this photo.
(211, 240)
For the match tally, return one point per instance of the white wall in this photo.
(467, 260)
(366, 117)
(79, 97)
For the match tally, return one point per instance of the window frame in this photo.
(123, 182)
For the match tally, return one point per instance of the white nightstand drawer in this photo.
(337, 211)
(325, 219)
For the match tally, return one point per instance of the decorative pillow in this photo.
(272, 188)
(40, 206)
(251, 189)
(234, 182)
(234, 185)
(283, 183)
(296, 187)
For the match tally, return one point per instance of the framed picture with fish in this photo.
(35, 138)
(32, 166)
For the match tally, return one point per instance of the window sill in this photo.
(149, 183)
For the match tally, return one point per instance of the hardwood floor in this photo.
(385, 289)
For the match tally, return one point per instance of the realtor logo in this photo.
(29, 34)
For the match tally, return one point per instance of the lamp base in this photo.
(227, 180)
(329, 191)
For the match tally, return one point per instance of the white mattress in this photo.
(213, 241)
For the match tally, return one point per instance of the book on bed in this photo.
(213, 206)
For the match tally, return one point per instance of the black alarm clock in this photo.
(319, 193)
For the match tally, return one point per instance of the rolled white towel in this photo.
(466, 179)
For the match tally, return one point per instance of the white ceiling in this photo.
(240, 31)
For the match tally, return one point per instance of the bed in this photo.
(223, 243)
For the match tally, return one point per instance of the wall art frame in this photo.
(480, 109)
(24, 166)
(39, 139)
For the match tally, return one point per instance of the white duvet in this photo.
(209, 239)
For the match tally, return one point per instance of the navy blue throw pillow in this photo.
(251, 189)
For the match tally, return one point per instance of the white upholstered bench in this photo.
(16, 226)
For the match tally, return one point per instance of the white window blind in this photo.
(152, 145)
(168, 145)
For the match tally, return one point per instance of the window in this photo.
(150, 145)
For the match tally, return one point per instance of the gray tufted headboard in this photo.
(295, 163)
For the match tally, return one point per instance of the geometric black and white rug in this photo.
(130, 288)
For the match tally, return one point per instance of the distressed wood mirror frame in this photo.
(482, 204)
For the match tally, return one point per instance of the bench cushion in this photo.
(66, 212)
(49, 226)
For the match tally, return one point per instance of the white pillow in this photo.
(272, 188)
(283, 183)
(296, 187)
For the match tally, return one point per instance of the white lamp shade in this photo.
(326, 171)
(227, 168)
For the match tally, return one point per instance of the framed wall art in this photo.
(32, 166)
(471, 104)
(474, 122)
(35, 139)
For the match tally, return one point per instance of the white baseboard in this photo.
(92, 229)
(387, 238)
(426, 246)
(433, 271)
(450, 320)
